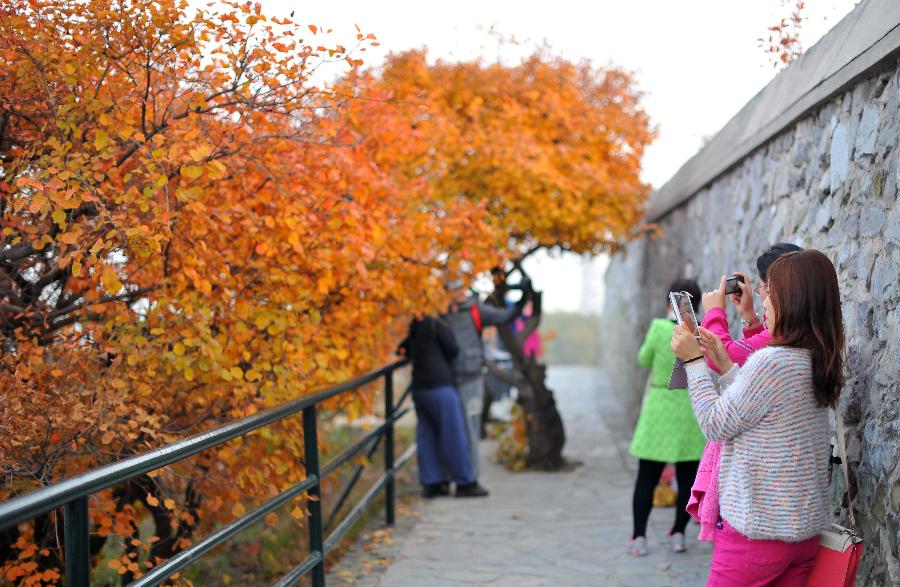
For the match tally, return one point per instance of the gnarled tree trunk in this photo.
(543, 424)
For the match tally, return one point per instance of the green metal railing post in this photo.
(77, 545)
(314, 505)
(389, 447)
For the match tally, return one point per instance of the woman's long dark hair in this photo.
(807, 304)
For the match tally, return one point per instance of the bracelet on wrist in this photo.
(751, 322)
(697, 358)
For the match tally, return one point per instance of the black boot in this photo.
(471, 490)
(435, 490)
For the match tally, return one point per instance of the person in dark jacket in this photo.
(443, 446)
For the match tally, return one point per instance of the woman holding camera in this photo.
(703, 503)
(771, 416)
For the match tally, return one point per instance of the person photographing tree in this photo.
(467, 317)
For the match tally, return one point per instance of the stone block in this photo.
(884, 275)
(892, 233)
(864, 264)
(871, 220)
(867, 132)
(823, 216)
(825, 182)
(839, 156)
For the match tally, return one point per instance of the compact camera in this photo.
(731, 285)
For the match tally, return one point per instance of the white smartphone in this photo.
(684, 311)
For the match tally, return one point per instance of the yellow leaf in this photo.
(169, 503)
(76, 268)
(111, 281)
(237, 510)
(200, 153)
(108, 437)
(178, 349)
(191, 171)
(152, 501)
(216, 169)
(101, 139)
(59, 217)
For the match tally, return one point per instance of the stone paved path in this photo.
(537, 529)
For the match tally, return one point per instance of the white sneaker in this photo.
(677, 542)
(638, 546)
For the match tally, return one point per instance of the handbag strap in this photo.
(839, 421)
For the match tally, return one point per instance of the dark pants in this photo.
(443, 446)
(649, 473)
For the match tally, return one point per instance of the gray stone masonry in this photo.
(830, 182)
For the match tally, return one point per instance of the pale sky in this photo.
(698, 61)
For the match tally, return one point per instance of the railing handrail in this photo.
(57, 495)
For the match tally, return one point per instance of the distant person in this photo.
(771, 416)
(443, 444)
(666, 432)
(467, 317)
(532, 347)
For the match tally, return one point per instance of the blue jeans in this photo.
(443, 447)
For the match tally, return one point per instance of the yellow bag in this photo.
(664, 496)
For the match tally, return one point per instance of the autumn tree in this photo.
(553, 150)
(191, 230)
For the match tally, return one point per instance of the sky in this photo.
(697, 62)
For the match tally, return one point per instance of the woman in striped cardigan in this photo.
(771, 416)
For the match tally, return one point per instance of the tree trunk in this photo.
(543, 424)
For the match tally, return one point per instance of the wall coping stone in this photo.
(863, 42)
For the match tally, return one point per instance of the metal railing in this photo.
(72, 494)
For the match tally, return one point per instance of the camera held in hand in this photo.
(731, 285)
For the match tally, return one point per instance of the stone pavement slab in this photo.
(537, 529)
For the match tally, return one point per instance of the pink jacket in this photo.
(703, 504)
(532, 345)
(754, 339)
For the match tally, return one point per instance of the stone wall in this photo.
(828, 181)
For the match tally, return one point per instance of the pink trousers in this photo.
(738, 561)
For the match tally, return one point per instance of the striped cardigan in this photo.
(773, 478)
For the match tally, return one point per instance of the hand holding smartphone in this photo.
(684, 311)
(684, 314)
